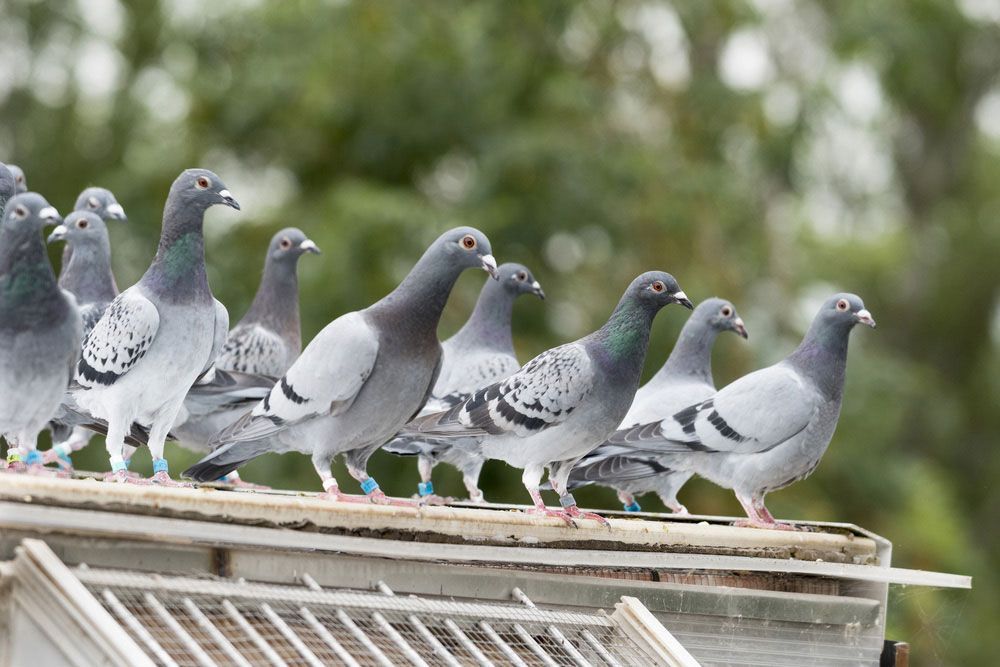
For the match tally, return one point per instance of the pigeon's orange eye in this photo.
(658, 286)
(285, 244)
(202, 183)
(468, 242)
(842, 305)
(726, 311)
(82, 224)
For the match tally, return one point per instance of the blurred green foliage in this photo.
(769, 152)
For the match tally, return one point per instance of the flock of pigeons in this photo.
(158, 361)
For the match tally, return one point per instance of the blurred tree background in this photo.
(771, 152)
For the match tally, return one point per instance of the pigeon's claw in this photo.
(577, 513)
(559, 514)
(163, 478)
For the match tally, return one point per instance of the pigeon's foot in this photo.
(125, 477)
(16, 466)
(40, 470)
(433, 499)
(768, 525)
(54, 456)
(678, 509)
(233, 480)
(548, 511)
(378, 497)
(577, 513)
(162, 478)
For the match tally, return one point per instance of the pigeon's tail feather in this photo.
(443, 425)
(249, 428)
(405, 446)
(225, 459)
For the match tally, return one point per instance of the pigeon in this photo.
(20, 183)
(160, 335)
(100, 202)
(259, 349)
(40, 329)
(767, 429)
(8, 186)
(482, 352)
(360, 379)
(564, 402)
(684, 379)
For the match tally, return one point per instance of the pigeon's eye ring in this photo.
(658, 286)
(202, 183)
(285, 244)
(522, 276)
(82, 224)
(842, 305)
(20, 212)
(726, 311)
(93, 203)
(19, 179)
(469, 242)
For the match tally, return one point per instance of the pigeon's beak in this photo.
(50, 215)
(228, 199)
(740, 328)
(309, 246)
(864, 317)
(58, 234)
(115, 212)
(536, 289)
(681, 298)
(490, 266)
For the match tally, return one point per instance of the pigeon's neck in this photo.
(691, 357)
(624, 340)
(822, 357)
(178, 271)
(417, 303)
(88, 274)
(276, 304)
(489, 324)
(28, 290)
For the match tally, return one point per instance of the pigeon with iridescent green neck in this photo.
(767, 429)
(481, 353)
(684, 379)
(565, 401)
(40, 329)
(360, 379)
(160, 335)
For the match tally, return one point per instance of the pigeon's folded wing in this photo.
(324, 381)
(540, 395)
(752, 415)
(119, 340)
(251, 348)
(470, 372)
(615, 469)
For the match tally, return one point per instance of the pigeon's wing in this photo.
(227, 390)
(753, 414)
(251, 348)
(324, 380)
(464, 373)
(612, 469)
(117, 342)
(540, 395)
(91, 314)
(221, 329)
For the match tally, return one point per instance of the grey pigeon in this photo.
(360, 379)
(684, 379)
(158, 336)
(564, 402)
(8, 187)
(481, 353)
(20, 182)
(100, 202)
(258, 350)
(767, 429)
(40, 329)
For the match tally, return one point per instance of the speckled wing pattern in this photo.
(119, 340)
(91, 314)
(324, 381)
(752, 415)
(600, 467)
(250, 348)
(540, 395)
(467, 375)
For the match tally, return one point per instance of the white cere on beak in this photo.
(679, 294)
(115, 210)
(309, 246)
(49, 213)
(490, 266)
(536, 285)
(864, 317)
(225, 194)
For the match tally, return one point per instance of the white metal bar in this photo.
(328, 637)
(310, 582)
(533, 645)
(467, 643)
(504, 647)
(289, 634)
(137, 628)
(359, 634)
(220, 639)
(556, 633)
(398, 640)
(189, 643)
(599, 649)
(251, 632)
(439, 649)
(383, 588)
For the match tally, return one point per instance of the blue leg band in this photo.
(568, 500)
(118, 465)
(160, 465)
(425, 488)
(34, 457)
(369, 485)
(634, 507)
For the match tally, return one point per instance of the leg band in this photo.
(34, 457)
(568, 500)
(118, 464)
(369, 485)
(634, 507)
(63, 449)
(14, 454)
(425, 488)
(160, 465)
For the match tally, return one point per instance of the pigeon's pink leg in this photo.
(756, 519)
(628, 502)
(568, 502)
(425, 490)
(376, 495)
(233, 479)
(542, 510)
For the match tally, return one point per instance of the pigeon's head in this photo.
(721, 315)
(289, 244)
(842, 311)
(100, 202)
(201, 188)
(20, 182)
(8, 186)
(30, 211)
(656, 289)
(517, 279)
(81, 229)
(468, 247)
